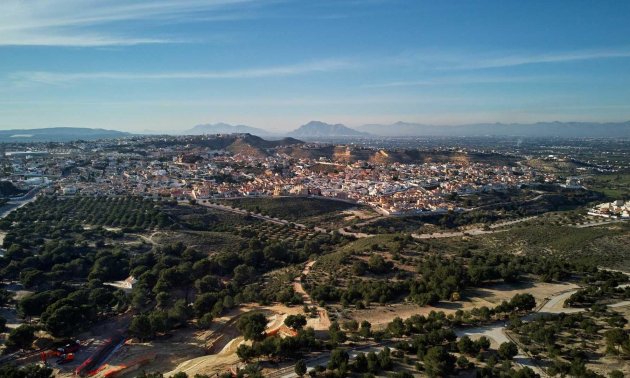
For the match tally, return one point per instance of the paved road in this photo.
(555, 304)
(13, 205)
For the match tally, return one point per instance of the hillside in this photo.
(348, 154)
(246, 144)
(8, 189)
(317, 129)
(59, 134)
(541, 129)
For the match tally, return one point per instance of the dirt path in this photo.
(251, 214)
(494, 228)
(597, 223)
(297, 283)
(555, 305)
(358, 235)
(322, 322)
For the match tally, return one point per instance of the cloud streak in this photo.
(464, 80)
(44, 77)
(466, 61)
(85, 23)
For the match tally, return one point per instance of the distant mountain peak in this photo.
(225, 128)
(322, 129)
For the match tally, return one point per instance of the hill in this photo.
(540, 129)
(59, 134)
(317, 129)
(351, 154)
(225, 128)
(245, 144)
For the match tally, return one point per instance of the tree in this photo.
(65, 321)
(141, 327)
(337, 336)
(360, 363)
(462, 362)
(614, 338)
(385, 359)
(300, 368)
(483, 343)
(616, 374)
(466, 346)
(438, 362)
(296, 322)
(351, 325)
(205, 321)
(30, 371)
(396, 327)
(180, 313)
(5, 297)
(252, 326)
(378, 265)
(366, 329)
(508, 350)
(359, 267)
(523, 302)
(204, 303)
(338, 358)
(21, 337)
(163, 299)
(159, 322)
(245, 352)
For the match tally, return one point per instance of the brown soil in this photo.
(489, 296)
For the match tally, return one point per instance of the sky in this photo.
(167, 65)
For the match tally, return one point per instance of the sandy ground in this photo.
(608, 363)
(351, 214)
(222, 340)
(195, 351)
(10, 313)
(489, 296)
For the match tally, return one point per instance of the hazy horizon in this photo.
(163, 66)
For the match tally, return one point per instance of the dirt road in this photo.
(322, 322)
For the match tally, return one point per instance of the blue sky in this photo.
(169, 65)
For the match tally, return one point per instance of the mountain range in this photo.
(319, 130)
(225, 128)
(58, 134)
(540, 129)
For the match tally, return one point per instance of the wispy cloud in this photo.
(467, 60)
(510, 60)
(43, 77)
(464, 80)
(93, 22)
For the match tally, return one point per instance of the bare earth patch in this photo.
(489, 296)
